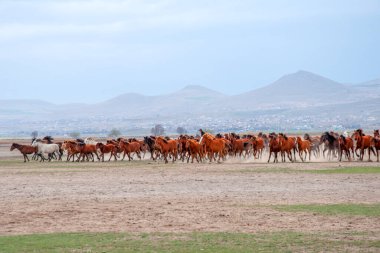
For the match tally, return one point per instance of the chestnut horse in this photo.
(195, 150)
(303, 146)
(167, 147)
(363, 142)
(274, 147)
(129, 148)
(376, 142)
(213, 146)
(287, 145)
(24, 149)
(105, 149)
(346, 144)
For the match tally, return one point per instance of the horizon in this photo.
(90, 51)
(182, 88)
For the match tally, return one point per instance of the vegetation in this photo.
(181, 130)
(372, 210)
(188, 242)
(74, 135)
(114, 133)
(346, 170)
(158, 130)
(34, 134)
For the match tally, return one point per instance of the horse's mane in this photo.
(343, 138)
(80, 140)
(218, 135)
(306, 136)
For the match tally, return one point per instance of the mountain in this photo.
(291, 92)
(299, 89)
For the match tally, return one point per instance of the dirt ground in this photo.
(144, 196)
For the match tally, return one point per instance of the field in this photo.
(236, 206)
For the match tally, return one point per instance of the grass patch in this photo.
(346, 170)
(370, 210)
(189, 242)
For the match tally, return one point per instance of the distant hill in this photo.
(293, 91)
(299, 89)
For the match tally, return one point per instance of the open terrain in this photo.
(324, 206)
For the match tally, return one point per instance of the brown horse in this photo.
(167, 147)
(287, 145)
(72, 149)
(346, 144)
(213, 146)
(376, 142)
(129, 148)
(363, 142)
(105, 149)
(274, 147)
(258, 146)
(24, 149)
(315, 142)
(86, 150)
(303, 146)
(195, 150)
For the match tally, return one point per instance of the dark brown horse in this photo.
(105, 149)
(274, 147)
(24, 149)
(376, 142)
(346, 145)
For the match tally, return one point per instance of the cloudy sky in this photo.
(89, 51)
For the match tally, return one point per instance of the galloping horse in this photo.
(213, 146)
(105, 149)
(376, 142)
(195, 150)
(346, 144)
(363, 142)
(331, 144)
(287, 145)
(24, 149)
(167, 147)
(130, 147)
(304, 146)
(274, 147)
(315, 142)
(44, 148)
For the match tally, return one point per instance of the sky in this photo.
(90, 51)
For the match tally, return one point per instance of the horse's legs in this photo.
(270, 154)
(24, 158)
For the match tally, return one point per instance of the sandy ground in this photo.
(235, 196)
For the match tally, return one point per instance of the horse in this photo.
(258, 146)
(24, 149)
(72, 149)
(150, 142)
(376, 142)
(303, 146)
(183, 150)
(287, 145)
(331, 144)
(195, 149)
(104, 149)
(363, 142)
(167, 147)
(346, 144)
(85, 150)
(314, 142)
(274, 147)
(213, 146)
(130, 147)
(49, 149)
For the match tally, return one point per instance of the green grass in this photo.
(190, 242)
(346, 170)
(370, 210)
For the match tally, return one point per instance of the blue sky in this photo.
(89, 51)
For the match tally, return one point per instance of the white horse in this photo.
(90, 140)
(48, 149)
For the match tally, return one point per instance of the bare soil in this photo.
(144, 196)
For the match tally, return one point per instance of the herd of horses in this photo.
(208, 147)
